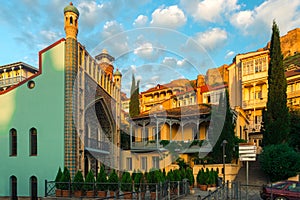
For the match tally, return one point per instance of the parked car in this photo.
(284, 190)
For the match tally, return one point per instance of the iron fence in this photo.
(234, 191)
(144, 191)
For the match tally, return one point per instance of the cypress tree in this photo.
(134, 104)
(276, 122)
(227, 131)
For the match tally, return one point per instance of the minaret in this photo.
(118, 78)
(71, 160)
(105, 60)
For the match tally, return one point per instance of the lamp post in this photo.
(224, 156)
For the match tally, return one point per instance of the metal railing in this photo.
(144, 191)
(234, 191)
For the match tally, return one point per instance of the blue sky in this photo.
(157, 40)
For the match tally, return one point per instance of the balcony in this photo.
(11, 81)
(250, 104)
(94, 144)
(293, 94)
(146, 145)
(254, 127)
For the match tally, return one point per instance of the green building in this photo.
(65, 113)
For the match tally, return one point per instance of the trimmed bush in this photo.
(113, 181)
(89, 181)
(126, 182)
(101, 181)
(78, 181)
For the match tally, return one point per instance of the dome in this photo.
(117, 73)
(71, 8)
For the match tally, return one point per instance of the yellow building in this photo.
(16, 73)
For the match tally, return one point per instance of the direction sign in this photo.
(247, 152)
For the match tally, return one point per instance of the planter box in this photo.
(102, 193)
(77, 193)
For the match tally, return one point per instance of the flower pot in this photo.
(58, 192)
(153, 195)
(77, 193)
(112, 193)
(127, 195)
(203, 187)
(90, 193)
(65, 193)
(102, 193)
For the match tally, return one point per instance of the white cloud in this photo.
(116, 40)
(258, 20)
(229, 54)
(169, 17)
(211, 39)
(209, 10)
(141, 20)
(145, 50)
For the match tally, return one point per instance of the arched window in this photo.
(33, 188)
(13, 189)
(33, 142)
(13, 142)
(71, 20)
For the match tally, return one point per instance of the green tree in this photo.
(227, 132)
(279, 162)
(134, 104)
(276, 122)
(294, 135)
(102, 180)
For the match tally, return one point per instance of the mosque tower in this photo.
(71, 15)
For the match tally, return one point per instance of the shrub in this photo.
(137, 181)
(126, 182)
(89, 181)
(101, 181)
(190, 176)
(113, 181)
(65, 179)
(58, 178)
(279, 162)
(78, 181)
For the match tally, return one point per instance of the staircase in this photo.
(256, 176)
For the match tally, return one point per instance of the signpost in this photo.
(247, 152)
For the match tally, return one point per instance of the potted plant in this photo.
(77, 185)
(65, 182)
(89, 184)
(177, 177)
(137, 181)
(57, 182)
(202, 180)
(126, 185)
(113, 183)
(190, 177)
(101, 183)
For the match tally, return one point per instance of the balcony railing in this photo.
(255, 103)
(293, 94)
(151, 144)
(11, 81)
(95, 144)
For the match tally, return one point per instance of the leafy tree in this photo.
(294, 135)
(134, 104)
(279, 162)
(227, 132)
(277, 115)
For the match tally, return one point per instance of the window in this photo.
(155, 162)
(13, 142)
(144, 163)
(33, 142)
(33, 188)
(13, 184)
(129, 164)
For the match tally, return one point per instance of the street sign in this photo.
(247, 152)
